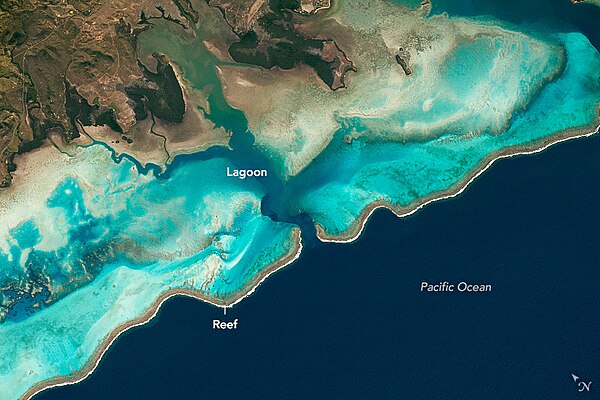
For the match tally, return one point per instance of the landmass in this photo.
(269, 37)
(120, 125)
(596, 2)
(70, 65)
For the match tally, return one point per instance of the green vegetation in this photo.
(64, 63)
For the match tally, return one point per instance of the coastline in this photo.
(349, 235)
(228, 302)
(594, 2)
(357, 227)
(51, 375)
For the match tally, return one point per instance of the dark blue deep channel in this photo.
(350, 322)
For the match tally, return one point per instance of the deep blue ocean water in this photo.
(349, 321)
(538, 14)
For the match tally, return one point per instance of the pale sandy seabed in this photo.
(295, 125)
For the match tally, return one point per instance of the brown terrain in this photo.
(66, 64)
(270, 36)
(71, 68)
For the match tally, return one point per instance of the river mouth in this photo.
(189, 227)
(288, 197)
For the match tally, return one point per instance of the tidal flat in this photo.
(110, 237)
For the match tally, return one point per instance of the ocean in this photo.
(350, 320)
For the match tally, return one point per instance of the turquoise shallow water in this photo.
(122, 237)
(193, 231)
(344, 179)
(140, 220)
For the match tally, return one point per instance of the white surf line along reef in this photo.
(93, 362)
(361, 222)
(480, 90)
(192, 233)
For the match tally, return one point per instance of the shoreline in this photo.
(350, 235)
(228, 302)
(347, 236)
(357, 227)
